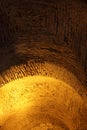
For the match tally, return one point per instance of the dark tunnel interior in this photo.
(43, 65)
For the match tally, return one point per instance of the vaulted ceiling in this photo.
(53, 31)
(45, 38)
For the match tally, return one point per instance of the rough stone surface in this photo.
(44, 30)
(45, 38)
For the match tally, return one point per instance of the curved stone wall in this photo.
(46, 40)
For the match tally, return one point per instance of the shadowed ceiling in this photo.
(40, 30)
(47, 38)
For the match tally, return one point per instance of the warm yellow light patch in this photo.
(36, 96)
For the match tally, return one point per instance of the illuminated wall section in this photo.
(43, 65)
(51, 97)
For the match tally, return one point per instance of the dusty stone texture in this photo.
(46, 38)
(37, 100)
(44, 30)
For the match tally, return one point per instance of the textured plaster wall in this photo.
(36, 100)
(46, 41)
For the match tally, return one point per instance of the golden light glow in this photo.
(28, 102)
